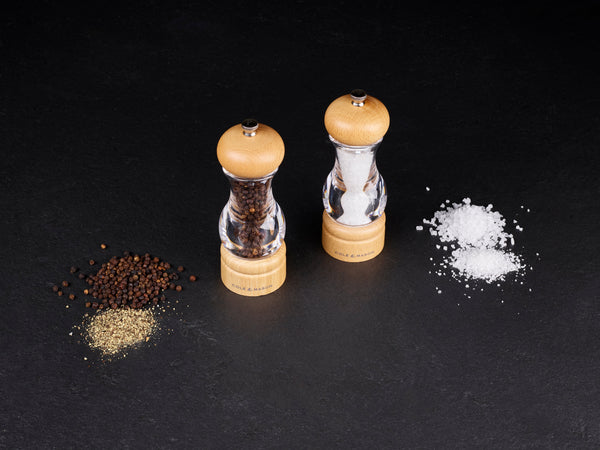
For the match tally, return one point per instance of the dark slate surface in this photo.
(108, 126)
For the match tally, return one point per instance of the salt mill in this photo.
(251, 226)
(354, 194)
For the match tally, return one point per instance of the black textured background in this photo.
(109, 119)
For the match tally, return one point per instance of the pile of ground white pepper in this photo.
(112, 332)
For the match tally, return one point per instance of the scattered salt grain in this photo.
(427, 188)
(419, 227)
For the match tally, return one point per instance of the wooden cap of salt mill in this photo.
(357, 119)
(250, 154)
(356, 124)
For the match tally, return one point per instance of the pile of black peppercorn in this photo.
(250, 207)
(130, 282)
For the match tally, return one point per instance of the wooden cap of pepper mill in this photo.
(355, 120)
(251, 150)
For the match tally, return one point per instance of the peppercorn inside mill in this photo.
(251, 226)
(354, 194)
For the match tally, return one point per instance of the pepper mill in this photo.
(251, 226)
(354, 194)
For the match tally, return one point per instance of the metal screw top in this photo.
(358, 97)
(249, 127)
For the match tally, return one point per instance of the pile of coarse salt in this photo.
(489, 264)
(469, 225)
(478, 241)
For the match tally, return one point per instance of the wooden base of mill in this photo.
(253, 276)
(353, 243)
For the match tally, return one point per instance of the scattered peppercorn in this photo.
(55, 288)
(71, 296)
(59, 293)
(178, 288)
(81, 275)
(88, 304)
(103, 246)
(65, 283)
(193, 278)
(73, 269)
(92, 262)
(180, 269)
